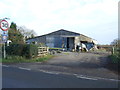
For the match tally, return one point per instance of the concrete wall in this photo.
(85, 38)
(77, 41)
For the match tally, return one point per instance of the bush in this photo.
(116, 56)
(115, 59)
(15, 49)
(24, 50)
(30, 51)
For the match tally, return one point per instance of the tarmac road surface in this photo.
(14, 77)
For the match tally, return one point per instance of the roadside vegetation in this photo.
(115, 57)
(113, 61)
(18, 51)
(20, 59)
(24, 53)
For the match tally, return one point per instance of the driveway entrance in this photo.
(86, 64)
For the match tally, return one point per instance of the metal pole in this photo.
(4, 51)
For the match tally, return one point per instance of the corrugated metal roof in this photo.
(66, 33)
(60, 32)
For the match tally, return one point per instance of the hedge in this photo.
(30, 51)
(24, 50)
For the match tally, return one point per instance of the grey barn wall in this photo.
(63, 39)
(56, 41)
(40, 39)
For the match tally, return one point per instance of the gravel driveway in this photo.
(88, 64)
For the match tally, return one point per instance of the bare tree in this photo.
(27, 33)
(116, 43)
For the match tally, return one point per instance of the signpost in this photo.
(4, 37)
(4, 26)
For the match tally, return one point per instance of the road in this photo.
(14, 77)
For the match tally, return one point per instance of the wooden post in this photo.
(113, 50)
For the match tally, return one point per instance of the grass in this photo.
(56, 48)
(115, 57)
(19, 59)
(66, 53)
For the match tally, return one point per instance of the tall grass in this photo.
(116, 56)
(20, 59)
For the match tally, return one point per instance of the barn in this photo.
(65, 39)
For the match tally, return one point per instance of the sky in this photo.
(97, 19)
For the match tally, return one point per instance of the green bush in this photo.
(116, 56)
(115, 59)
(15, 49)
(24, 50)
(30, 51)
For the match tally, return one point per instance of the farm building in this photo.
(65, 39)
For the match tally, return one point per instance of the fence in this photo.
(43, 51)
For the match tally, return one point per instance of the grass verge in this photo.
(115, 59)
(56, 48)
(113, 64)
(18, 59)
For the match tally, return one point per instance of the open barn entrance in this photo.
(70, 43)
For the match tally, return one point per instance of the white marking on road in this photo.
(24, 68)
(5, 66)
(49, 72)
(95, 78)
(107, 79)
(86, 78)
(77, 75)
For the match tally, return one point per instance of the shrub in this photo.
(116, 56)
(24, 50)
(30, 51)
(15, 49)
